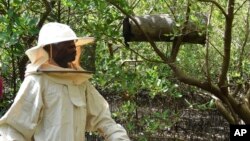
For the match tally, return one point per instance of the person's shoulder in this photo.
(87, 83)
(34, 77)
(33, 81)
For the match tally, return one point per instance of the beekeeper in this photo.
(56, 102)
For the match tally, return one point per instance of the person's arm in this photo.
(99, 117)
(20, 121)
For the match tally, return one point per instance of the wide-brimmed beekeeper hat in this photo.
(53, 33)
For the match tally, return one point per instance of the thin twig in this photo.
(171, 10)
(134, 4)
(216, 49)
(217, 5)
(240, 6)
(127, 47)
(244, 42)
(143, 57)
(207, 48)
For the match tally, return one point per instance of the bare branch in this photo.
(178, 40)
(240, 7)
(247, 27)
(143, 57)
(171, 10)
(231, 107)
(242, 108)
(217, 5)
(48, 6)
(175, 48)
(237, 90)
(207, 49)
(227, 47)
(216, 49)
(135, 52)
(135, 3)
(183, 77)
(224, 112)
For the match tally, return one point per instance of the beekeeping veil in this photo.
(53, 33)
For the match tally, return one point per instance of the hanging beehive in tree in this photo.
(162, 28)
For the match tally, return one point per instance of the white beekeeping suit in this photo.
(56, 103)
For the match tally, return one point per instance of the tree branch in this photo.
(171, 10)
(183, 77)
(216, 49)
(242, 109)
(242, 51)
(237, 90)
(134, 4)
(227, 47)
(49, 6)
(24, 59)
(240, 6)
(178, 40)
(224, 112)
(208, 75)
(144, 58)
(217, 5)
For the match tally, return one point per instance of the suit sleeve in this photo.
(20, 121)
(99, 117)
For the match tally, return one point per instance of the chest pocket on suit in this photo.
(77, 95)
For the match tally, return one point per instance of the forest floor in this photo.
(192, 125)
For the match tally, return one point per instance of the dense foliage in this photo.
(219, 69)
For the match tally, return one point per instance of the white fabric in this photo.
(48, 109)
(57, 106)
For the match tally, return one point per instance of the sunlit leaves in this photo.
(99, 18)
